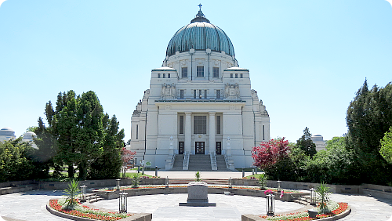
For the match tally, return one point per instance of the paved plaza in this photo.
(30, 206)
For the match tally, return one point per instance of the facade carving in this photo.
(168, 91)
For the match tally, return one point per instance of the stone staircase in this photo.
(178, 161)
(221, 163)
(304, 200)
(199, 162)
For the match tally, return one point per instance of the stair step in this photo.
(199, 163)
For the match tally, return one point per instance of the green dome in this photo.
(200, 34)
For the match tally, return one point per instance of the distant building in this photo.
(319, 141)
(28, 137)
(7, 134)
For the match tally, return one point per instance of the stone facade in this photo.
(199, 102)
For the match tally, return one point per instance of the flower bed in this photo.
(87, 212)
(337, 208)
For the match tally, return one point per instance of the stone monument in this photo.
(197, 195)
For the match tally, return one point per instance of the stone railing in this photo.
(213, 161)
(185, 163)
(169, 162)
(229, 162)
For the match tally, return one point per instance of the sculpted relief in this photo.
(168, 91)
(232, 91)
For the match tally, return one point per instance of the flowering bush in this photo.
(268, 192)
(268, 153)
(85, 211)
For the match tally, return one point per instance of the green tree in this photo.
(16, 161)
(102, 168)
(79, 134)
(369, 116)
(291, 167)
(335, 164)
(386, 146)
(64, 128)
(306, 144)
(89, 131)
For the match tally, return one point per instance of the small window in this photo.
(217, 94)
(205, 94)
(241, 75)
(159, 75)
(200, 71)
(163, 75)
(194, 94)
(236, 75)
(216, 72)
(181, 94)
(184, 71)
(137, 131)
(181, 124)
(200, 94)
(231, 75)
(218, 127)
(168, 75)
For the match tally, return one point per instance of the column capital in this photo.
(188, 113)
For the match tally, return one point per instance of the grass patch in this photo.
(140, 175)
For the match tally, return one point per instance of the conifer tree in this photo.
(306, 144)
(369, 116)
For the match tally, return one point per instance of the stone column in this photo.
(211, 137)
(188, 131)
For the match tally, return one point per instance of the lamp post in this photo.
(270, 205)
(230, 184)
(167, 181)
(279, 189)
(83, 193)
(122, 203)
(118, 184)
(312, 197)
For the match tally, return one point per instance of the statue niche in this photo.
(168, 92)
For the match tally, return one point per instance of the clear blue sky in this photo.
(306, 58)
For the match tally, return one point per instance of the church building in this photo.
(200, 103)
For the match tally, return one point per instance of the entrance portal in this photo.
(218, 148)
(181, 147)
(199, 147)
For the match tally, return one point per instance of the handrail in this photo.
(185, 163)
(214, 166)
(170, 162)
(229, 162)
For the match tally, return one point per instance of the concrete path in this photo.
(366, 207)
(30, 206)
(228, 208)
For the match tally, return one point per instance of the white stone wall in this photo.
(242, 113)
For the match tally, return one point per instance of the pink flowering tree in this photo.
(268, 153)
(126, 156)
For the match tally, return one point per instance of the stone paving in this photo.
(30, 206)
